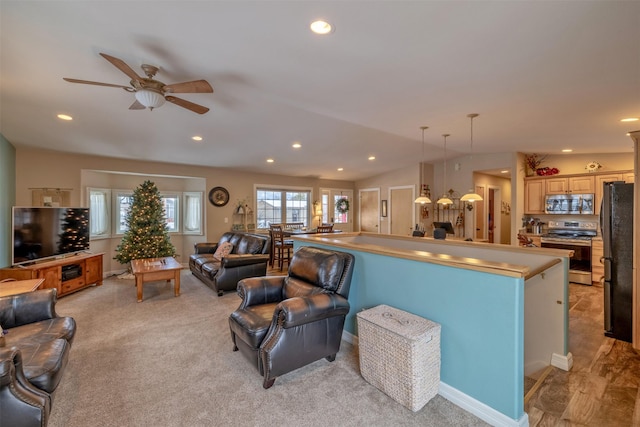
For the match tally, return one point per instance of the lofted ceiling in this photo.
(543, 75)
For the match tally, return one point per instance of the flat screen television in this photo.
(446, 225)
(47, 232)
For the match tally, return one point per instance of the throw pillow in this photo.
(223, 250)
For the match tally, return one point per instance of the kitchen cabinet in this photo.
(534, 191)
(597, 267)
(600, 180)
(628, 177)
(574, 184)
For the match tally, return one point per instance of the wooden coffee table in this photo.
(153, 269)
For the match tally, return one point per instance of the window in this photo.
(192, 217)
(100, 208)
(171, 204)
(104, 201)
(276, 206)
(122, 204)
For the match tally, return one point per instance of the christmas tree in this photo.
(146, 235)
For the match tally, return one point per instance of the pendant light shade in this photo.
(471, 196)
(423, 199)
(445, 200)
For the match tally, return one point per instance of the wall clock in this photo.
(218, 196)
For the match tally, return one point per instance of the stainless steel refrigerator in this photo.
(616, 216)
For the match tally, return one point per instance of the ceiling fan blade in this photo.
(196, 86)
(87, 82)
(120, 65)
(136, 106)
(186, 104)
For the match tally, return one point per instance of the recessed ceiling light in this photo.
(296, 145)
(321, 27)
(630, 119)
(567, 150)
(506, 171)
(196, 138)
(372, 157)
(270, 160)
(64, 117)
(340, 169)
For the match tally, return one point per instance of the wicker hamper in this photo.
(400, 354)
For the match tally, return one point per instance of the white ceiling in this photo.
(543, 75)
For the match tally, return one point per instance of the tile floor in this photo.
(602, 387)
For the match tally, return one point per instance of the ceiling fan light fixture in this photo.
(150, 98)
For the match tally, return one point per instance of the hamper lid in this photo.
(405, 324)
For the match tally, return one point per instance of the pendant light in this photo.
(445, 200)
(423, 199)
(471, 196)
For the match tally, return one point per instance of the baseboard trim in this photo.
(479, 409)
(466, 402)
(563, 362)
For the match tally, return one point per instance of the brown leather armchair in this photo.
(286, 322)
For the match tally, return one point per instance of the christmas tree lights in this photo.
(147, 235)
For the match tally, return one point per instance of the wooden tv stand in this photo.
(67, 275)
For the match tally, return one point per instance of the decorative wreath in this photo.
(342, 206)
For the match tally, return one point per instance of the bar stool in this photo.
(280, 245)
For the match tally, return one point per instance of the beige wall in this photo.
(50, 169)
(401, 177)
(569, 164)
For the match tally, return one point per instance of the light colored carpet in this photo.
(169, 362)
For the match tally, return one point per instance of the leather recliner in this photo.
(286, 322)
(33, 357)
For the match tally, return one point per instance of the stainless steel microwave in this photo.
(569, 204)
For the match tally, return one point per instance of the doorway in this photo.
(401, 210)
(369, 202)
(331, 201)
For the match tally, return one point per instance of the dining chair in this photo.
(282, 247)
(325, 228)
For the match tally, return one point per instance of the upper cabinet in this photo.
(574, 184)
(610, 177)
(534, 196)
(628, 177)
(535, 188)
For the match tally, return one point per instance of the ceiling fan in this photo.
(151, 93)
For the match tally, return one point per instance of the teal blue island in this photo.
(501, 308)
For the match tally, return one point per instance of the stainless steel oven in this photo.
(575, 236)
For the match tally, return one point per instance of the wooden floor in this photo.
(602, 387)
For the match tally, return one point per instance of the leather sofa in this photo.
(34, 353)
(286, 322)
(248, 258)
